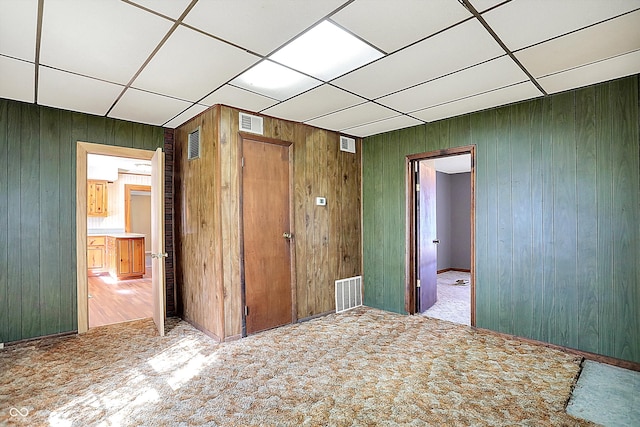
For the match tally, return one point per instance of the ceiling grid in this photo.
(161, 62)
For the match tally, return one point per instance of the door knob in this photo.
(286, 235)
(436, 241)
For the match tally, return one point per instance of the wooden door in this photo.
(157, 239)
(266, 223)
(427, 254)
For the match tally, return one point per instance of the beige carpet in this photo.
(454, 300)
(361, 368)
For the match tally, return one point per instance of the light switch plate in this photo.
(321, 201)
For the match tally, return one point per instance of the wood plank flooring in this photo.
(115, 301)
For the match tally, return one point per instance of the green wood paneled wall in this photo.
(37, 211)
(557, 208)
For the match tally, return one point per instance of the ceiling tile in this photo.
(483, 5)
(260, 25)
(190, 65)
(390, 25)
(18, 22)
(353, 116)
(145, 107)
(462, 46)
(170, 8)
(386, 125)
(16, 79)
(317, 102)
(605, 40)
(109, 40)
(490, 75)
(274, 80)
(521, 23)
(503, 96)
(609, 69)
(182, 118)
(76, 93)
(238, 98)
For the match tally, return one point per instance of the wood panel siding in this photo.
(229, 240)
(37, 211)
(557, 202)
(327, 240)
(198, 228)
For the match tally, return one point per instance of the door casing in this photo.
(82, 150)
(411, 255)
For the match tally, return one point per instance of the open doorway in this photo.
(118, 239)
(104, 247)
(440, 235)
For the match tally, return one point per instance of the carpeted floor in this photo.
(361, 368)
(454, 300)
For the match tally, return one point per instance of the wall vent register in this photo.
(347, 144)
(194, 144)
(253, 124)
(348, 293)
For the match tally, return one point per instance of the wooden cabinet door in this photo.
(126, 257)
(97, 198)
(95, 258)
(124, 254)
(137, 255)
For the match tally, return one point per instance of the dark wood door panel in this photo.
(266, 213)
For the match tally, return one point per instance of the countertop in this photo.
(117, 235)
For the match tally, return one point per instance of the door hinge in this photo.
(242, 162)
(418, 188)
(415, 167)
(246, 310)
(418, 283)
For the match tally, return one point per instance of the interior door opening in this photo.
(118, 283)
(441, 234)
(118, 239)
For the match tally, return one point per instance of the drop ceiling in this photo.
(162, 62)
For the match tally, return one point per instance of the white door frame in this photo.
(82, 150)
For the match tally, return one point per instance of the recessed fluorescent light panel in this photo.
(273, 80)
(326, 52)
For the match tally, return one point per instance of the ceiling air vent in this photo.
(347, 144)
(249, 123)
(194, 144)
